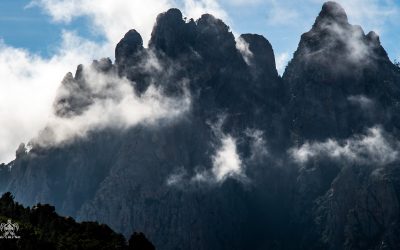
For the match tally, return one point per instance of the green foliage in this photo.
(41, 228)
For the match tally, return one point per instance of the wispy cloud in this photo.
(28, 86)
(364, 102)
(281, 62)
(258, 145)
(226, 161)
(113, 103)
(374, 148)
(244, 49)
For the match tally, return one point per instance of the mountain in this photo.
(336, 71)
(344, 104)
(199, 143)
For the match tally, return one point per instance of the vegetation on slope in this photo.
(40, 227)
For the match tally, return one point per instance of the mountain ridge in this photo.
(308, 160)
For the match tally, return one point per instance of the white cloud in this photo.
(195, 8)
(358, 51)
(113, 18)
(281, 62)
(244, 2)
(243, 47)
(28, 86)
(117, 105)
(177, 178)
(258, 144)
(364, 102)
(226, 161)
(109, 18)
(282, 13)
(374, 148)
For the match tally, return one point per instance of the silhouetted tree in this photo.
(42, 228)
(138, 241)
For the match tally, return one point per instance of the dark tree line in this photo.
(40, 227)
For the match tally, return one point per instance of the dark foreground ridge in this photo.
(309, 160)
(40, 227)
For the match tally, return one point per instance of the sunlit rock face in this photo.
(196, 140)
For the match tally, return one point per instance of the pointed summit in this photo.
(171, 34)
(334, 60)
(336, 44)
(130, 45)
(334, 12)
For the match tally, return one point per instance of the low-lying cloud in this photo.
(113, 104)
(362, 101)
(226, 161)
(28, 86)
(258, 145)
(374, 148)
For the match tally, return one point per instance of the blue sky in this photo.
(31, 28)
(282, 22)
(42, 40)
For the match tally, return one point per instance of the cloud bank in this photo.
(28, 86)
(113, 104)
(374, 148)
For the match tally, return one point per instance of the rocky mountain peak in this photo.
(335, 44)
(176, 36)
(260, 53)
(128, 46)
(334, 61)
(171, 34)
(333, 12)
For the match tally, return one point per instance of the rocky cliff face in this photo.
(254, 161)
(337, 71)
(342, 84)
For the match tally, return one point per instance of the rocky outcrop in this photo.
(334, 73)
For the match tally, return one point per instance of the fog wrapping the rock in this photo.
(196, 140)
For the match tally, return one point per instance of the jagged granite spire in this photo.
(128, 47)
(334, 61)
(332, 11)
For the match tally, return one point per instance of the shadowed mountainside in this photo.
(308, 160)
